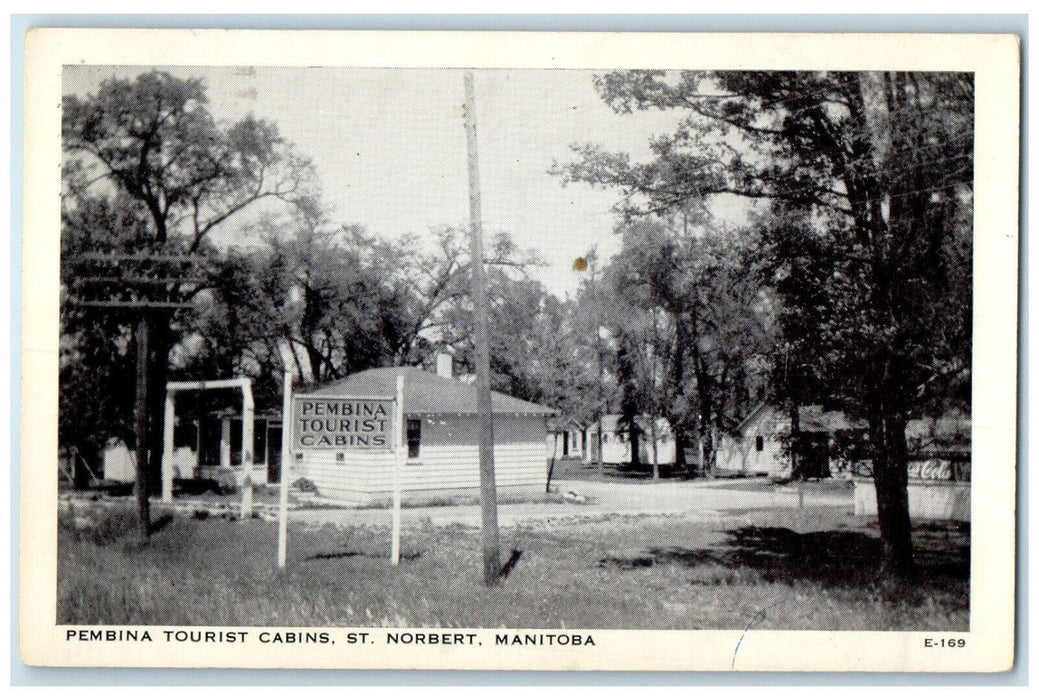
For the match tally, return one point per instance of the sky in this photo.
(389, 147)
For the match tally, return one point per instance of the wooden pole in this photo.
(283, 495)
(488, 491)
(141, 428)
(552, 461)
(399, 448)
(248, 417)
(167, 446)
(248, 426)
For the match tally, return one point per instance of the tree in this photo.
(339, 294)
(879, 167)
(516, 308)
(593, 298)
(152, 141)
(563, 362)
(96, 357)
(232, 329)
(704, 315)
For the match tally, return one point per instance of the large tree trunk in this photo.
(680, 444)
(795, 437)
(677, 383)
(888, 386)
(656, 457)
(887, 428)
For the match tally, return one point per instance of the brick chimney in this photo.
(445, 365)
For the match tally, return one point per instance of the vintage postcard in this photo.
(547, 351)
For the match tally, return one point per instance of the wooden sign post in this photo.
(399, 454)
(353, 424)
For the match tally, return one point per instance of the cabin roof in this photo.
(425, 392)
(813, 419)
(950, 431)
(558, 423)
(611, 423)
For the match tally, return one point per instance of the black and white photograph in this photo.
(664, 353)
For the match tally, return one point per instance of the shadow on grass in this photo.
(579, 471)
(160, 523)
(830, 558)
(372, 555)
(510, 564)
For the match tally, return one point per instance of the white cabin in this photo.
(441, 432)
(616, 443)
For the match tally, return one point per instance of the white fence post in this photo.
(283, 497)
(167, 447)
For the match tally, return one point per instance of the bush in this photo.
(305, 485)
(196, 487)
(108, 526)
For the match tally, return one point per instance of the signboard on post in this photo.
(352, 423)
(334, 423)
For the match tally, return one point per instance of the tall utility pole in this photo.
(140, 423)
(488, 491)
(144, 288)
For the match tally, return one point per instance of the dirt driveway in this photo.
(706, 500)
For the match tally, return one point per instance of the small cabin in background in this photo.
(617, 443)
(761, 445)
(832, 444)
(566, 439)
(210, 448)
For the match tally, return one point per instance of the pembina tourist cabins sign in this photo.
(333, 423)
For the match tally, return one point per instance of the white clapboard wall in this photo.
(448, 461)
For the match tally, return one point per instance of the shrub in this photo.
(305, 485)
(111, 525)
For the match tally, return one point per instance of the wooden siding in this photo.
(616, 449)
(362, 475)
(740, 455)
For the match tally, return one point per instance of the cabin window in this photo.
(236, 441)
(185, 434)
(414, 435)
(259, 441)
(759, 443)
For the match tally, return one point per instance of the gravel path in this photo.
(709, 500)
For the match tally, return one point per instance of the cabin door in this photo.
(273, 455)
(815, 455)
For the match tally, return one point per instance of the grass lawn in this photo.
(810, 569)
